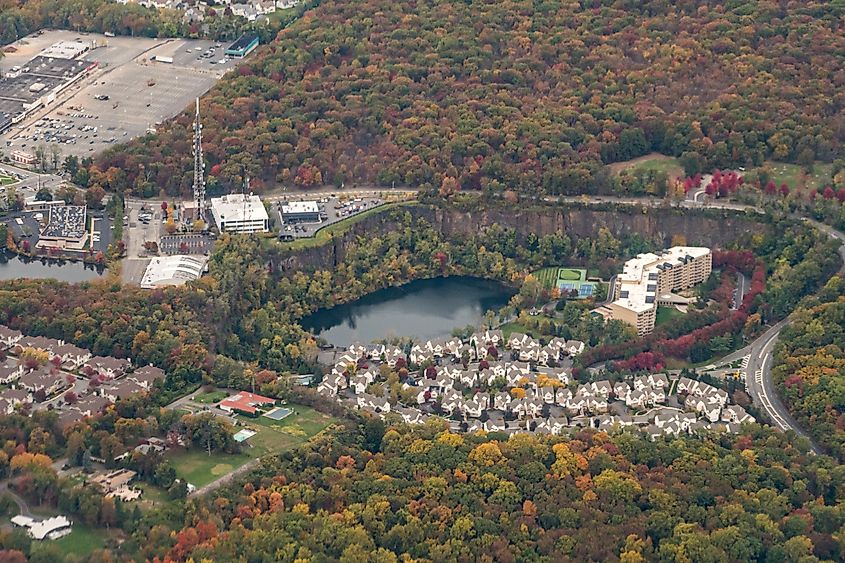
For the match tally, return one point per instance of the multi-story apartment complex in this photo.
(649, 280)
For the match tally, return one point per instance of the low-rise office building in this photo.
(240, 213)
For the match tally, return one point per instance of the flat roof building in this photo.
(245, 44)
(240, 213)
(649, 280)
(173, 270)
(301, 212)
(66, 228)
(50, 528)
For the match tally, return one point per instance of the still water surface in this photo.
(421, 309)
(14, 267)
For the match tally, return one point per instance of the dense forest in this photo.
(534, 96)
(810, 367)
(385, 494)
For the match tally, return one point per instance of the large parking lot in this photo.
(131, 91)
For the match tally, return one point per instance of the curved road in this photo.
(758, 377)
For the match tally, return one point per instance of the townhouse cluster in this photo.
(96, 381)
(529, 389)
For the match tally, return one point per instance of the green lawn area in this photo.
(547, 277)
(794, 176)
(665, 314)
(81, 541)
(653, 161)
(550, 276)
(273, 436)
(6, 180)
(208, 398)
(511, 327)
(570, 274)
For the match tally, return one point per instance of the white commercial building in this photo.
(649, 280)
(51, 528)
(240, 213)
(301, 211)
(173, 270)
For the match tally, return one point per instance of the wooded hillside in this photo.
(518, 94)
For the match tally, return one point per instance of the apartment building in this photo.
(650, 279)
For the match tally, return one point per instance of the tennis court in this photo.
(278, 413)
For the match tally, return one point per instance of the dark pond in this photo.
(13, 267)
(422, 309)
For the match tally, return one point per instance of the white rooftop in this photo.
(636, 284)
(173, 270)
(238, 207)
(300, 207)
(40, 529)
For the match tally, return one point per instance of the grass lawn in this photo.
(550, 276)
(665, 314)
(794, 176)
(208, 398)
(200, 469)
(569, 274)
(6, 180)
(547, 277)
(653, 161)
(273, 436)
(81, 541)
(511, 327)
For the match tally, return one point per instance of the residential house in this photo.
(120, 390)
(358, 384)
(563, 375)
(635, 399)
(621, 390)
(558, 343)
(39, 343)
(419, 354)
(410, 416)
(517, 340)
(472, 408)
(70, 356)
(736, 414)
(106, 367)
(502, 401)
(482, 399)
(10, 373)
(530, 352)
(548, 394)
(371, 402)
(548, 355)
(43, 379)
(450, 401)
(9, 337)
(483, 341)
(601, 387)
(16, 397)
(91, 405)
(147, 376)
(496, 423)
(6, 407)
(574, 347)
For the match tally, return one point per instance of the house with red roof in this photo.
(245, 402)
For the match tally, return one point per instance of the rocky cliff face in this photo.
(705, 228)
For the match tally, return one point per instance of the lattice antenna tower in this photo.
(199, 166)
